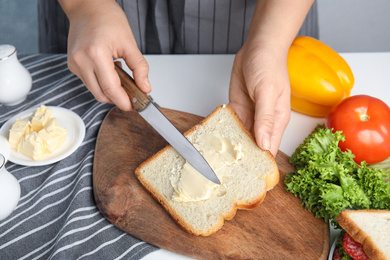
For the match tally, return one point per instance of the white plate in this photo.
(331, 251)
(65, 118)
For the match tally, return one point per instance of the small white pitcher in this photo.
(9, 185)
(15, 80)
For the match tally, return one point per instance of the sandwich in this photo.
(196, 204)
(367, 235)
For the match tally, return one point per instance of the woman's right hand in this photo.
(99, 32)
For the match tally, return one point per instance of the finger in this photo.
(265, 102)
(272, 114)
(88, 77)
(282, 118)
(240, 101)
(140, 68)
(110, 84)
(83, 67)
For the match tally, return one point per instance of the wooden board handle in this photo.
(138, 99)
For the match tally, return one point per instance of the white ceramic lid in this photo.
(6, 51)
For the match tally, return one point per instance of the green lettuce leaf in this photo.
(328, 180)
(319, 142)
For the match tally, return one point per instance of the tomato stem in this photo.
(364, 117)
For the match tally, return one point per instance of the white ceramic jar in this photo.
(9, 185)
(15, 80)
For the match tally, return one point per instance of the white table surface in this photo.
(199, 83)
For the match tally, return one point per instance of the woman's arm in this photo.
(259, 86)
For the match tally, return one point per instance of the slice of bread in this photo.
(371, 228)
(243, 185)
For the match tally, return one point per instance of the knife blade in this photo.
(147, 109)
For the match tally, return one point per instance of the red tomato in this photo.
(365, 122)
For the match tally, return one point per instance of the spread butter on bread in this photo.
(196, 204)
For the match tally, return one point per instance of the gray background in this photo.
(345, 25)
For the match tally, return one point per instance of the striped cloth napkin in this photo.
(56, 217)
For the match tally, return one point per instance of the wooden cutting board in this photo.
(279, 228)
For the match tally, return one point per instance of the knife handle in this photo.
(138, 99)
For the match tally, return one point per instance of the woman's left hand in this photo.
(260, 93)
(259, 85)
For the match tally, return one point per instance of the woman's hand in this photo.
(260, 93)
(259, 85)
(99, 32)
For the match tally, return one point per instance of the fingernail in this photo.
(147, 85)
(265, 143)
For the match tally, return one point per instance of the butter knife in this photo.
(147, 109)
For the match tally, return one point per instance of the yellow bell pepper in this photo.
(319, 77)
